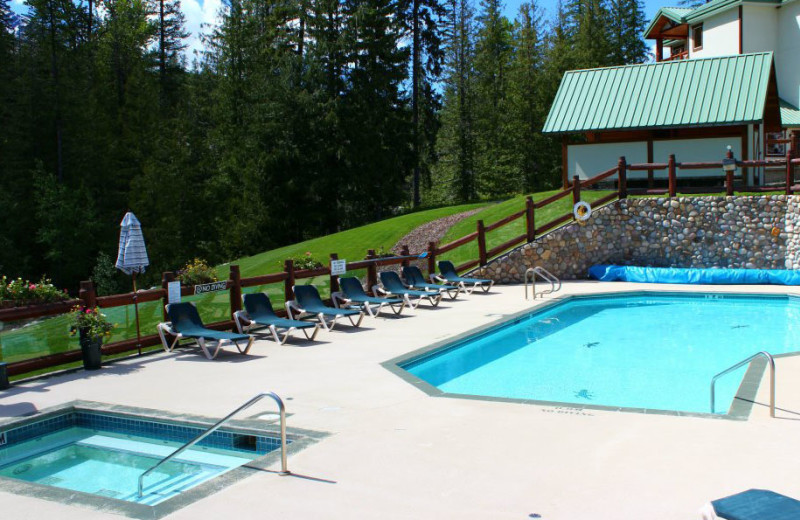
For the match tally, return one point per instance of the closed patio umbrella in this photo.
(132, 258)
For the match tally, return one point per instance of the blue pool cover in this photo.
(629, 273)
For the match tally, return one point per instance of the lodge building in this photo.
(726, 73)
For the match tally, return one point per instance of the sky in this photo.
(200, 13)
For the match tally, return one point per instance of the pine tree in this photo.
(590, 34)
(455, 170)
(626, 24)
(493, 53)
(171, 36)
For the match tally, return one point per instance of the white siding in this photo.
(587, 160)
(720, 35)
(695, 150)
(787, 52)
(760, 28)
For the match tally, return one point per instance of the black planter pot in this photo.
(91, 351)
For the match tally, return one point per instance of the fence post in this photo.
(288, 267)
(404, 251)
(729, 176)
(673, 181)
(622, 168)
(481, 243)
(576, 190)
(530, 219)
(789, 172)
(236, 289)
(372, 271)
(431, 258)
(166, 278)
(334, 278)
(88, 294)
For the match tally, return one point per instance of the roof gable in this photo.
(720, 91)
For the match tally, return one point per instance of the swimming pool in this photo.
(99, 452)
(642, 351)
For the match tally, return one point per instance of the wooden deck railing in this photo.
(372, 262)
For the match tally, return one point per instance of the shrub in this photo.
(20, 292)
(197, 272)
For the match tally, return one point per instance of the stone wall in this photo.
(680, 232)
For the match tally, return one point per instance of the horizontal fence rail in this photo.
(221, 305)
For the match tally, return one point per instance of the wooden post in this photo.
(729, 176)
(576, 190)
(530, 219)
(659, 49)
(372, 271)
(789, 172)
(622, 166)
(166, 278)
(334, 278)
(404, 251)
(481, 243)
(288, 292)
(88, 294)
(673, 181)
(236, 289)
(431, 258)
(564, 162)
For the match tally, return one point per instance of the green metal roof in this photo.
(790, 115)
(681, 15)
(727, 90)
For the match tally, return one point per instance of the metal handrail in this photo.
(215, 427)
(545, 275)
(771, 362)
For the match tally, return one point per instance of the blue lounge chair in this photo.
(353, 295)
(185, 323)
(757, 504)
(392, 285)
(258, 312)
(416, 280)
(450, 276)
(308, 302)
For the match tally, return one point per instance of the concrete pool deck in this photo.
(396, 452)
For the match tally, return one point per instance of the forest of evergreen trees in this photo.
(300, 118)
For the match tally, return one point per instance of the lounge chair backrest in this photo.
(184, 317)
(258, 304)
(447, 268)
(413, 275)
(392, 281)
(307, 296)
(351, 286)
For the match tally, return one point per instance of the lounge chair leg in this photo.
(274, 331)
(247, 348)
(360, 319)
(202, 343)
(321, 318)
(313, 334)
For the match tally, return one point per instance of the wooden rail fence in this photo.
(372, 262)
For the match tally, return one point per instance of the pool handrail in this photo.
(771, 362)
(545, 275)
(215, 427)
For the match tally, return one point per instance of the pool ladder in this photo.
(740, 364)
(215, 427)
(544, 274)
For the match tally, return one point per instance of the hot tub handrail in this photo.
(215, 427)
(545, 275)
(771, 362)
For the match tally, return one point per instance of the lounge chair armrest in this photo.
(377, 289)
(293, 310)
(436, 278)
(243, 316)
(339, 300)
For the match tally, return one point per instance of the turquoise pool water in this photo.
(654, 351)
(104, 456)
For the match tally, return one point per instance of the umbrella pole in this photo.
(136, 311)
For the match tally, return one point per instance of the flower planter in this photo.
(91, 351)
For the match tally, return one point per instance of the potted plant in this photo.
(93, 328)
(197, 272)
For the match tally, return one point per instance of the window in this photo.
(697, 37)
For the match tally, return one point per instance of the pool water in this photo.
(655, 351)
(108, 463)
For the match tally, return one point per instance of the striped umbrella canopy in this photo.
(132, 257)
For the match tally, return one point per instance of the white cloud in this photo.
(201, 17)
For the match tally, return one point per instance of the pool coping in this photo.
(300, 439)
(740, 408)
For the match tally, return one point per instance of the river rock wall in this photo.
(757, 232)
